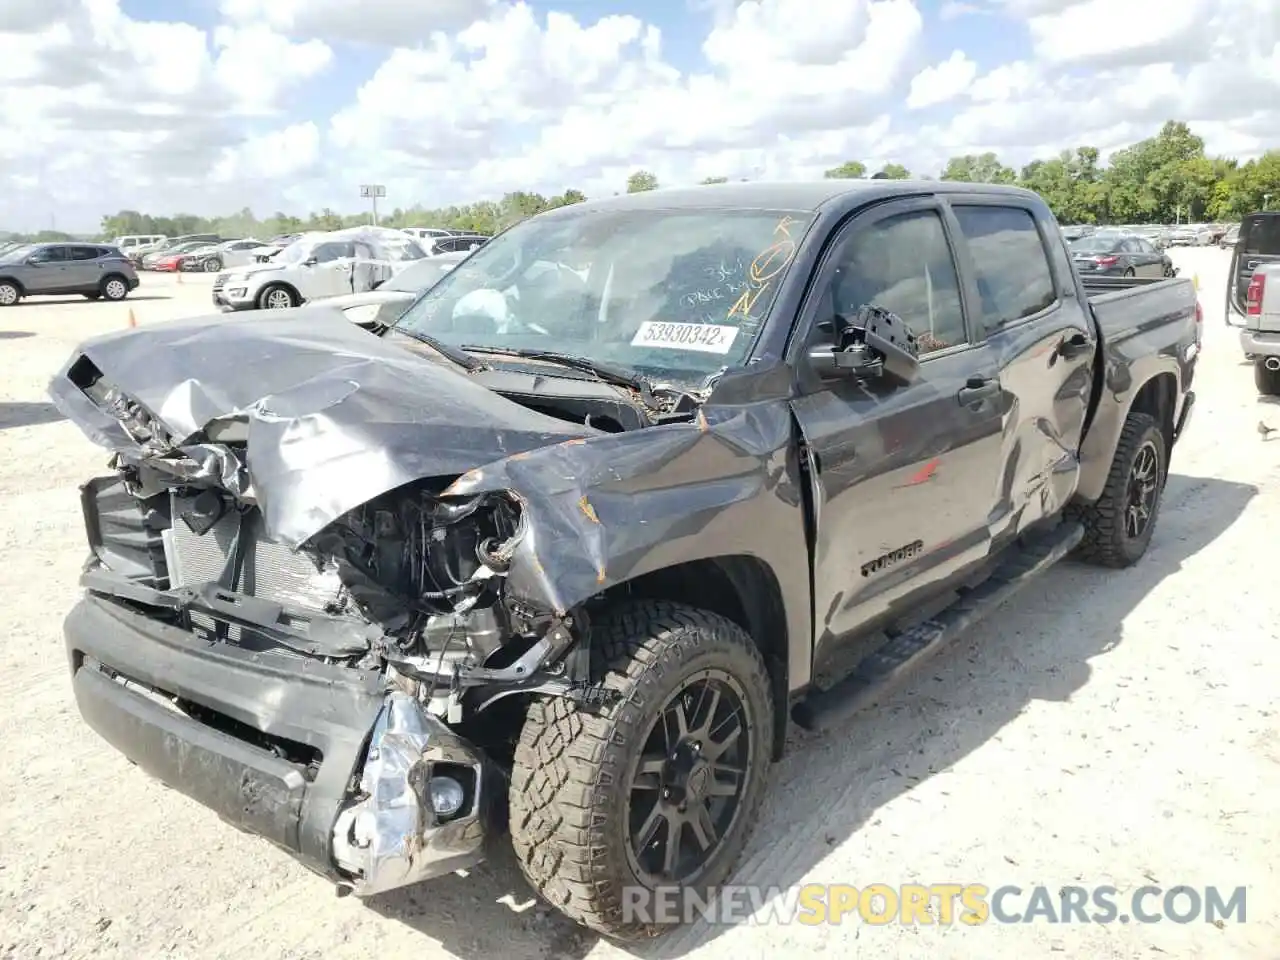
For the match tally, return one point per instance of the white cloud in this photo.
(942, 82)
(471, 98)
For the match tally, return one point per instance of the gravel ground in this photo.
(1117, 728)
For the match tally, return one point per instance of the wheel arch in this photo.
(1158, 398)
(741, 588)
(5, 278)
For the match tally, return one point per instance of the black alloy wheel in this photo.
(687, 784)
(1143, 491)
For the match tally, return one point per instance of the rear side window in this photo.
(1261, 235)
(84, 253)
(1009, 259)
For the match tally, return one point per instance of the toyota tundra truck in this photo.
(553, 559)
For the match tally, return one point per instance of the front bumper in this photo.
(278, 745)
(232, 297)
(1257, 343)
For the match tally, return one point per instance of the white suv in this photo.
(316, 266)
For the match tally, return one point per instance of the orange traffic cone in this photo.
(133, 321)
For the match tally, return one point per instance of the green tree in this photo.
(894, 171)
(978, 168)
(641, 181)
(849, 170)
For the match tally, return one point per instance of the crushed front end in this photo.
(327, 692)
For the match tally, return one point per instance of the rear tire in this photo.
(1267, 381)
(597, 796)
(114, 288)
(1118, 527)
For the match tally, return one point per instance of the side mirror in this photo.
(876, 343)
(310, 262)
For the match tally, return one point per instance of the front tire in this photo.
(1119, 526)
(9, 294)
(212, 265)
(658, 790)
(1267, 381)
(277, 297)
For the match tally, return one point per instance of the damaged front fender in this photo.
(605, 510)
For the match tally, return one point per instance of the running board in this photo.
(876, 673)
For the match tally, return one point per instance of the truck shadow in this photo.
(922, 729)
(18, 414)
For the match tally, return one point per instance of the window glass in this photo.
(50, 254)
(84, 253)
(1014, 279)
(1261, 234)
(328, 252)
(673, 294)
(903, 264)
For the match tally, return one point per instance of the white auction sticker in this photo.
(704, 337)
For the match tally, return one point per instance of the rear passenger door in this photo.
(904, 475)
(83, 269)
(1042, 342)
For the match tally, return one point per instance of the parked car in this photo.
(1230, 237)
(430, 233)
(92, 270)
(1190, 236)
(316, 266)
(169, 260)
(230, 253)
(1076, 231)
(1253, 296)
(381, 306)
(142, 256)
(128, 244)
(1114, 254)
(585, 526)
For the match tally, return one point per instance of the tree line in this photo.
(1165, 178)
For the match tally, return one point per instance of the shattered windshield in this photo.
(674, 295)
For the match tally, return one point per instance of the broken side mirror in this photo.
(875, 344)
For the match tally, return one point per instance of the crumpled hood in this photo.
(335, 416)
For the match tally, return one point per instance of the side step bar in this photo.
(877, 672)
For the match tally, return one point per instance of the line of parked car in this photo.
(1161, 237)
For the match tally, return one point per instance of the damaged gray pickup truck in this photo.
(559, 551)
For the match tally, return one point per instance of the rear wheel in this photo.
(1118, 527)
(114, 288)
(659, 789)
(1267, 381)
(276, 297)
(9, 293)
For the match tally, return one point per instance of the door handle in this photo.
(1074, 345)
(977, 389)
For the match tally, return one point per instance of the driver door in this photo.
(45, 271)
(905, 476)
(331, 274)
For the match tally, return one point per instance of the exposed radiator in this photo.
(270, 570)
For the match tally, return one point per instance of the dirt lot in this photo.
(1118, 728)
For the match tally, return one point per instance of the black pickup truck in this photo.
(560, 551)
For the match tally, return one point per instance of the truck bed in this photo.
(1126, 306)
